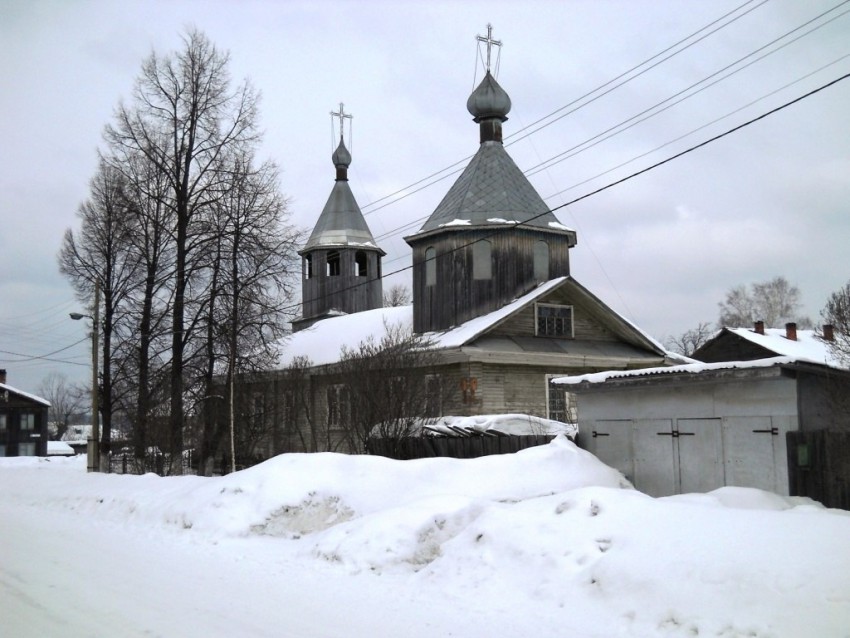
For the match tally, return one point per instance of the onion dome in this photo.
(489, 100)
(341, 157)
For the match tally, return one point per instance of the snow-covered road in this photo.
(547, 542)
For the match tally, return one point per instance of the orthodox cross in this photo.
(342, 115)
(489, 41)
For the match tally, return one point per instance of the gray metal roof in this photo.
(492, 187)
(341, 222)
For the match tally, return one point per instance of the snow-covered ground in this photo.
(546, 542)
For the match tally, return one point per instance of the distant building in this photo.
(23, 422)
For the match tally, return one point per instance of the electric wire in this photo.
(463, 161)
(622, 180)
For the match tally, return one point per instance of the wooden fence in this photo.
(456, 447)
(819, 466)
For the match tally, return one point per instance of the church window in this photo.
(361, 263)
(333, 264)
(339, 405)
(430, 266)
(433, 396)
(482, 263)
(2, 422)
(308, 267)
(541, 261)
(554, 320)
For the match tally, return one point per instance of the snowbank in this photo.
(548, 541)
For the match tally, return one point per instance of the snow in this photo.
(559, 226)
(689, 368)
(59, 448)
(510, 424)
(322, 342)
(456, 222)
(545, 542)
(807, 347)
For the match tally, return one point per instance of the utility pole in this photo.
(93, 460)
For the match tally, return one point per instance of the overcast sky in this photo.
(662, 249)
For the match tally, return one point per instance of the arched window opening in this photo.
(541, 261)
(482, 263)
(361, 264)
(430, 266)
(308, 267)
(333, 264)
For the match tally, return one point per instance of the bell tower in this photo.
(341, 263)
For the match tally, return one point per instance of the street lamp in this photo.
(93, 446)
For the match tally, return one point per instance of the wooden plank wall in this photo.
(819, 466)
(458, 296)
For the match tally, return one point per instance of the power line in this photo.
(623, 179)
(463, 161)
(47, 357)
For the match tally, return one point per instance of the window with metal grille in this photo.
(554, 320)
(562, 405)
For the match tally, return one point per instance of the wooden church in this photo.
(492, 292)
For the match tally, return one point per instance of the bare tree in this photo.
(387, 386)
(775, 302)
(691, 340)
(397, 295)
(66, 401)
(250, 278)
(836, 313)
(184, 121)
(97, 254)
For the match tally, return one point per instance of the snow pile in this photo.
(545, 542)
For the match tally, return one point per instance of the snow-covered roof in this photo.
(691, 368)
(77, 433)
(506, 424)
(322, 342)
(808, 346)
(59, 448)
(7, 388)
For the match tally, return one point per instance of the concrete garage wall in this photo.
(695, 436)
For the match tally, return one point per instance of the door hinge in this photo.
(771, 431)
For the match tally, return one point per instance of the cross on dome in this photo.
(489, 41)
(342, 115)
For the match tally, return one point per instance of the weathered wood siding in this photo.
(345, 292)
(585, 326)
(456, 295)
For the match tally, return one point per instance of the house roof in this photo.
(808, 346)
(322, 342)
(7, 388)
(597, 378)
